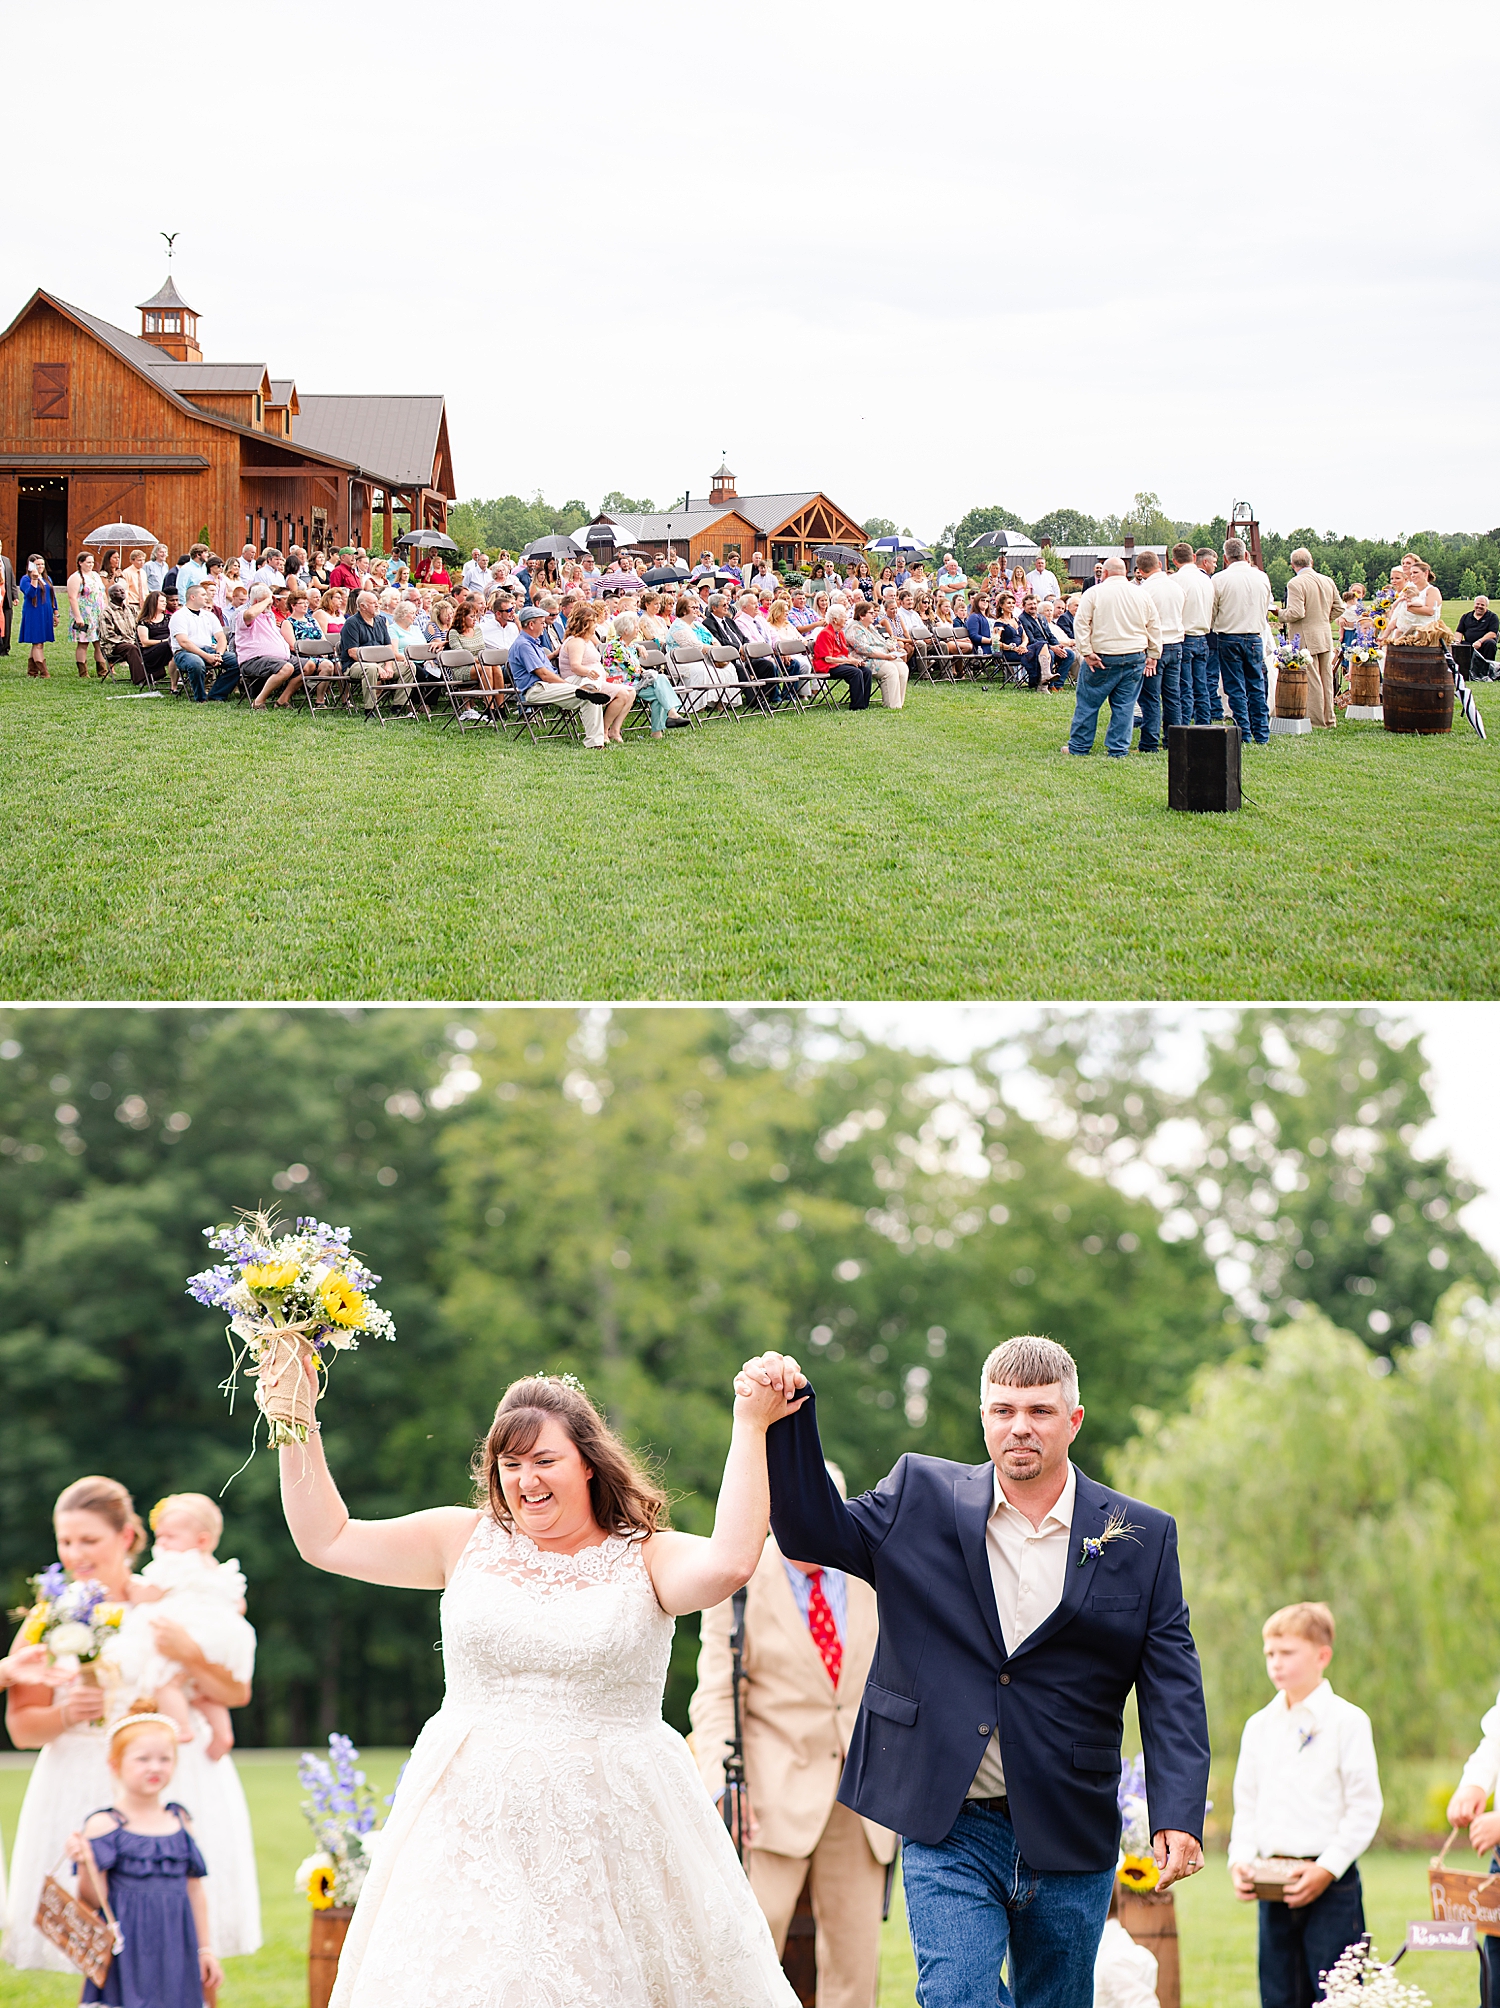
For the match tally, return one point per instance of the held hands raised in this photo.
(766, 1389)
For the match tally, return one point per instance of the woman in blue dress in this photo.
(38, 614)
(140, 1855)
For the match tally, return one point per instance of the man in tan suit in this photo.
(809, 1639)
(1313, 604)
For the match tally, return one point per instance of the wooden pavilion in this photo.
(98, 425)
(788, 528)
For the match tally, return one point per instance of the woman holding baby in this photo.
(182, 1639)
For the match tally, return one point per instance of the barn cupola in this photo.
(723, 489)
(168, 323)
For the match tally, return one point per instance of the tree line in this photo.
(644, 1198)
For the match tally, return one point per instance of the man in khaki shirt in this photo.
(1313, 604)
(1118, 633)
(1242, 599)
(809, 1637)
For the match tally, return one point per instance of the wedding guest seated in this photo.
(117, 636)
(298, 624)
(883, 657)
(498, 627)
(536, 682)
(199, 644)
(622, 664)
(832, 656)
(977, 625)
(152, 640)
(260, 648)
(800, 612)
(1479, 628)
(366, 628)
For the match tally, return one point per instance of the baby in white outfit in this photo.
(206, 1597)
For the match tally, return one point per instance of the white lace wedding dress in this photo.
(551, 1844)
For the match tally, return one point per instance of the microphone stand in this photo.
(736, 1799)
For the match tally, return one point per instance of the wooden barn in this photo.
(788, 528)
(100, 425)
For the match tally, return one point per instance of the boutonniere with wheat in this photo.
(1116, 1528)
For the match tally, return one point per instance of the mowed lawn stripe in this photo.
(158, 850)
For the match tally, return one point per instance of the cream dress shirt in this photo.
(1242, 596)
(1307, 1783)
(1117, 618)
(1028, 1568)
(1197, 598)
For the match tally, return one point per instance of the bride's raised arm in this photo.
(416, 1552)
(690, 1573)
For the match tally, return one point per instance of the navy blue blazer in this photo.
(942, 1681)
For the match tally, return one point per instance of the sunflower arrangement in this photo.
(341, 1808)
(73, 1620)
(1137, 1868)
(294, 1299)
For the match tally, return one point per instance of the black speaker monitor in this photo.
(1203, 767)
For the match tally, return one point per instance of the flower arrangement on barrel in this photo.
(74, 1621)
(342, 1810)
(1292, 655)
(295, 1298)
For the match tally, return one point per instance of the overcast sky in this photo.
(920, 257)
(1461, 1043)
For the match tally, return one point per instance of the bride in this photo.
(551, 1844)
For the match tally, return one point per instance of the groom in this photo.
(1019, 1604)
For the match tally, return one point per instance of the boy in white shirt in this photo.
(1306, 1786)
(1466, 1809)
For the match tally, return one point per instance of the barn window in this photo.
(171, 324)
(49, 390)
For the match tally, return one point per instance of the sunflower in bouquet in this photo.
(295, 1297)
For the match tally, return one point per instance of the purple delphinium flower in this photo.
(212, 1286)
(1132, 1781)
(52, 1581)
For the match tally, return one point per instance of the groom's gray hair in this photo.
(1029, 1361)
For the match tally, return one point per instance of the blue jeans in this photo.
(1120, 681)
(1176, 707)
(1215, 701)
(193, 668)
(1151, 708)
(973, 1905)
(1242, 664)
(1193, 679)
(1296, 1946)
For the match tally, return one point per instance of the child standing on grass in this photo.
(1466, 1809)
(141, 1856)
(1306, 1786)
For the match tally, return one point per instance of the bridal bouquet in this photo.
(294, 1299)
(341, 1810)
(1137, 1870)
(72, 1620)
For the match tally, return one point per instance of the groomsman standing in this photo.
(1242, 599)
(809, 1637)
(1199, 705)
(1313, 604)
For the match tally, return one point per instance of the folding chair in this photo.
(708, 696)
(383, 656)
(494, 691)
(324, 650)
(723, 657)
(457, 666)
(652, 656)
(797, 671)
(764, 659)
(424, 678)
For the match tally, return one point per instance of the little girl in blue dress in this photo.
(141, 1856)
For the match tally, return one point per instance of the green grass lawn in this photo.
(1217, 1933)
(158, 849)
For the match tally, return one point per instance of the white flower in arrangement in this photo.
(71, 1639)
(1360, 1980)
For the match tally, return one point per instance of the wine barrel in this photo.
(1418, 690)
(327, 1942)
(1291, 691)
(1151, 1920)
(1364, 683)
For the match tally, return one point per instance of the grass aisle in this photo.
(1218, 1934)
(162, 850)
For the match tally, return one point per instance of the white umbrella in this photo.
(115, 536)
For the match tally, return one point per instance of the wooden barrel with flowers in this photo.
(327, 1942)
(1291, 690)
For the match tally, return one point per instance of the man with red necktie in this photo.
(809, 1637)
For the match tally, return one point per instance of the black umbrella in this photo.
(841, 553)
(603, 533)
(426, 540)
(663, 575)
(553, 547)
